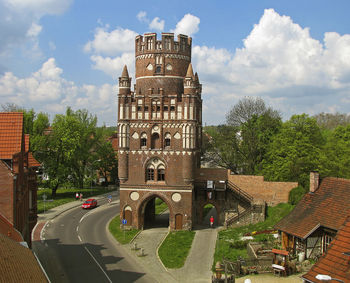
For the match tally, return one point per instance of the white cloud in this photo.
(142, 16)
(114, 66)
(47, 91)
(281, 63)
(188, 25)
(19, 22)
(111, 43)
(157, 24)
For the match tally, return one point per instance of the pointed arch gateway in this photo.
(150, 212)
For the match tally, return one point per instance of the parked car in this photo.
(90, 203)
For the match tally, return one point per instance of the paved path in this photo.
(198, 264)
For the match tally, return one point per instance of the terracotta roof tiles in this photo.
(328, 206)
(18, 263)
(334, 263)
(11, 129)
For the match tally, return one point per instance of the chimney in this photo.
(314, 181)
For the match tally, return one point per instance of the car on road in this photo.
(90, 203)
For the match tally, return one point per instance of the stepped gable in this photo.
(334, 263)
(328, 206)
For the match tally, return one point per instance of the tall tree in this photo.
(336, 154)
(294, 151)
(246, 108)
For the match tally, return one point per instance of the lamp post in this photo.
(324, 277)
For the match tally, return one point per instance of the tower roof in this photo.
(189, 73)
(125, 73)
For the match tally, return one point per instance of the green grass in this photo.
(226, 244)
(160, 206)
(64, 195)
(175, 248)
(123, 237)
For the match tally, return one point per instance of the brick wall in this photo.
(270, 192)
(6, 192)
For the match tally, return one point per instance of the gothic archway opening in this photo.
(208, 211)
(156, 213)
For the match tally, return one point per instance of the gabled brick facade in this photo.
(18, 187)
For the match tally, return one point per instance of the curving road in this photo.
(79, 248)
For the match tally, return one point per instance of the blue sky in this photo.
(293, 54)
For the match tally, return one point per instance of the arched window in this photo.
(155, 170)
(167, 139)
(143, 140)
(161, 173)
(150, 173)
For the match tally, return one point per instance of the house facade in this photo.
(314, 222)
(18, 187)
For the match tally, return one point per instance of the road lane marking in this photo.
(98, 264)
(77, 229)
(80, 238)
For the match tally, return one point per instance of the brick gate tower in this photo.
(160, 131)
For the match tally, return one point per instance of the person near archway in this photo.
(211, 221)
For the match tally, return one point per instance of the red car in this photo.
(90, 203)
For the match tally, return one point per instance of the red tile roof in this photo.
(11, 130)
(334, 263)
(6, 228)
(18, 263)
(328, 206)
(31, 160)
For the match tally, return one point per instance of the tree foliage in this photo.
(294, 151)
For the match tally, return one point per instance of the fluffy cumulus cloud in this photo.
(19, 21)
(47, 91)
(111, 50)
(188, 25)
(154, 24)
(281, 63)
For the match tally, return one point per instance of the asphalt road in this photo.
(79, 248)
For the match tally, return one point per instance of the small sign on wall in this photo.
(210, 184)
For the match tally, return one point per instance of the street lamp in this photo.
(324, 277)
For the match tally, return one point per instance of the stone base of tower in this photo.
(137, 206)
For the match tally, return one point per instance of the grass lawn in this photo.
(230, 246)
(175, 248)
(123, 237)
(64, 195)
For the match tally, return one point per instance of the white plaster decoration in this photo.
(177, 135)
(133, 151)
(134, 196)
(135, 135)
(121, 112)
(172, 101)
(139, 101)
(158, 76)
(177, 152)
(169, 67)
(150, 67)
(176, 197)
(128, 208)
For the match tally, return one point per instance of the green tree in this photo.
(294, 151)
(336, 154)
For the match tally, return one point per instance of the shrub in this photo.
(295, 195)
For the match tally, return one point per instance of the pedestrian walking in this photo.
(76, 196)
(109, 199)
(81, 197)
(211, 221)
